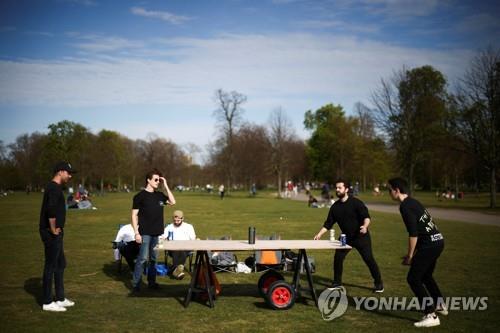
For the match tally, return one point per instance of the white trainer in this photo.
(53, 307)
(66, 303)
(429, 320)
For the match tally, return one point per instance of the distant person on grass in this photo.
(221, 191)
(52, 221)
(353, 219)
(147, 221)
(425, 244)
(181, 231)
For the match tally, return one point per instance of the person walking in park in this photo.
(353, 219)
(51, 228)
(147, 221)
(425, 245)
(221, 191)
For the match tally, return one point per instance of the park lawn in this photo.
(478, 202)
(468, 267)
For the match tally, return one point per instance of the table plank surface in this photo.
(242, 245)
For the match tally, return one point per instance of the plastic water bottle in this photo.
(332, 235)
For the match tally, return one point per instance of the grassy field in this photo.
(468, 267)
(478, 202)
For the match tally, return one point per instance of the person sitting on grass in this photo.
(312, 202)
(181, 231)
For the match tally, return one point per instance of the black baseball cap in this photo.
(64, 166)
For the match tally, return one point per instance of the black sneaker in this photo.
(136, 289)
(154, 286)
(379, 288)
(336, 285)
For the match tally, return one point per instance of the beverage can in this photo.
(343, 240)
(332, 235)
(170, 235)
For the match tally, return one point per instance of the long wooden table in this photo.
(203, 246)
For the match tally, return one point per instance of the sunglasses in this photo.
(156, 180)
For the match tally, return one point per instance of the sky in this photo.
(152, 67)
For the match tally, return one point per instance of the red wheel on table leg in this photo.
(281, 295)
(267, 279)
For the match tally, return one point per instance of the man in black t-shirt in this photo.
(353, 219)
(147, 221)
(51, 226)
(425, 244)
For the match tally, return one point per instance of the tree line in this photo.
(415, 126)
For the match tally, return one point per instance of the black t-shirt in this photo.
(419, 224)
(150, 206)
(53, 206)
(349, 215)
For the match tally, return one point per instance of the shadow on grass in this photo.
(33, 286)
(384, 313)
(322, 281)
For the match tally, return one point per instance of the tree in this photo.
(280, 133)
(411, 108)
(370, 154)
(67, 141)
(331, 142)
(251, 154)
(26, 154)
(192, 150)
(229, 115)
(479, 112)
(109, 157)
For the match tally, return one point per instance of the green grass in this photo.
(468, 267)
(478, 202)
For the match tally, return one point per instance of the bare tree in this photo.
(229, 115)
(479, 99)
(281, 131)
(410, 108)
(191, 150)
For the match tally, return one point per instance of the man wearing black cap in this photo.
(52, 219)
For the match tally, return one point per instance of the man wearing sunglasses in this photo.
(147, 221)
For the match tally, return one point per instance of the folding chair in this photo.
(269, 259)
(223, 261)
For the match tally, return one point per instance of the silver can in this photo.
(343, 240)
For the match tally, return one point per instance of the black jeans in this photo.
(178, 257)
(130, 252)
(420, 277)
(363, 244)
(55, 262)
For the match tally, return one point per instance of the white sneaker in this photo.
(179, 272)
(429, 320)
(53, 307)
(66, 303)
